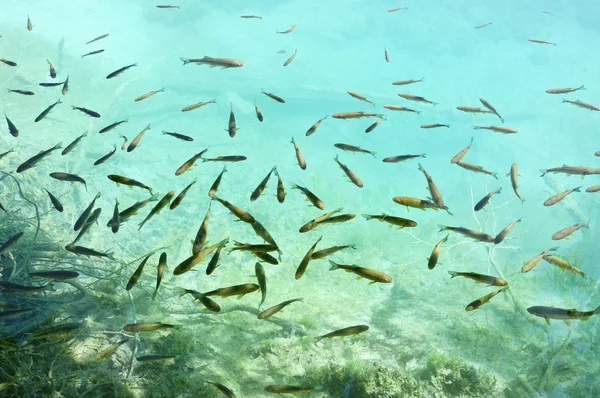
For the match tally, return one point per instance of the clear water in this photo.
(421, 341)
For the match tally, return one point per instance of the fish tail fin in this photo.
(446, 238)
(185, 60)
(495, 175)
(587, 225)
(577, 189)
(367, 216)
(582, 87)
(543, 172)
(597, 310)
(73, 107)
(453, 273)
(442, 227)
(333, 265)
(448, 210)
(422, 155)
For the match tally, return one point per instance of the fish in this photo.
(136, 275)
(158, 207)
(360, 97)
(514, 180)
(46, 111)
(505, 231)
(402, 158)
(434, 125)
(397, 221)
(259, 114)
(197, 105)
(73, 144)
(318, 203)
(255, 248)
(15, 288)
(352, 148)
(329, 251)
(136, 141)
(374, 126)
(435, 253)
(85, 251)
(314, 127)
(397, 9)
(274, 97)
(399, 108)
(52, 84)
(491, 108)
(215, 185)
(7, 62)
(280, 188)
(476, 169)
(237, 290)
(564, 90)
(112, 126)
(563, 264)
(226, 391)
(355, 115)
(415, 203)
(60, 176)
(482, 300)
(65, 87)
(92, 53)
(250, 17)
(480, 278)
(349, 331)
(367, 273)
(115, 221)
(472, 109)
(3, 154)
(236, 211)
(228, 158)
(148, 95)
(22, 92)
(98, 38)
(528, 266)
(405, 82)
(305, 260)
(276, 308)
(224, 63)
(12, 129)
(561, 314)
(162, 264)
(110, 349)
(232, 127)
(56, 331)
(386, 55)
(498, 129)
(124, 145)
(29, 24)
(57, 275)
(291, 29)
(34, 160)
(214, 261)
(572, 170)
(86, 213)
(299, 156)
(167, 7)
(560, 196)
(266, 257)
(55, 202)
(416, 98)
(262, 282)
(207, 302)
(538, 41)
(12, 314)
(568, 231)
(261, 187)
(130, 182)
(584, 105)
(484, 201)
(594, 188)
(290, 59)
(177, 201)
(287, 389)
(202, 234)
(351, 175)
(149, 327)
(331, 220)
(105, 157)
(52, 70)
(88, 224)
(10, 242)
(435, 193)
(483, 25)
(119, 71)
(469, 233)
(190, 162)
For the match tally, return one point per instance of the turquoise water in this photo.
(421, 341)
